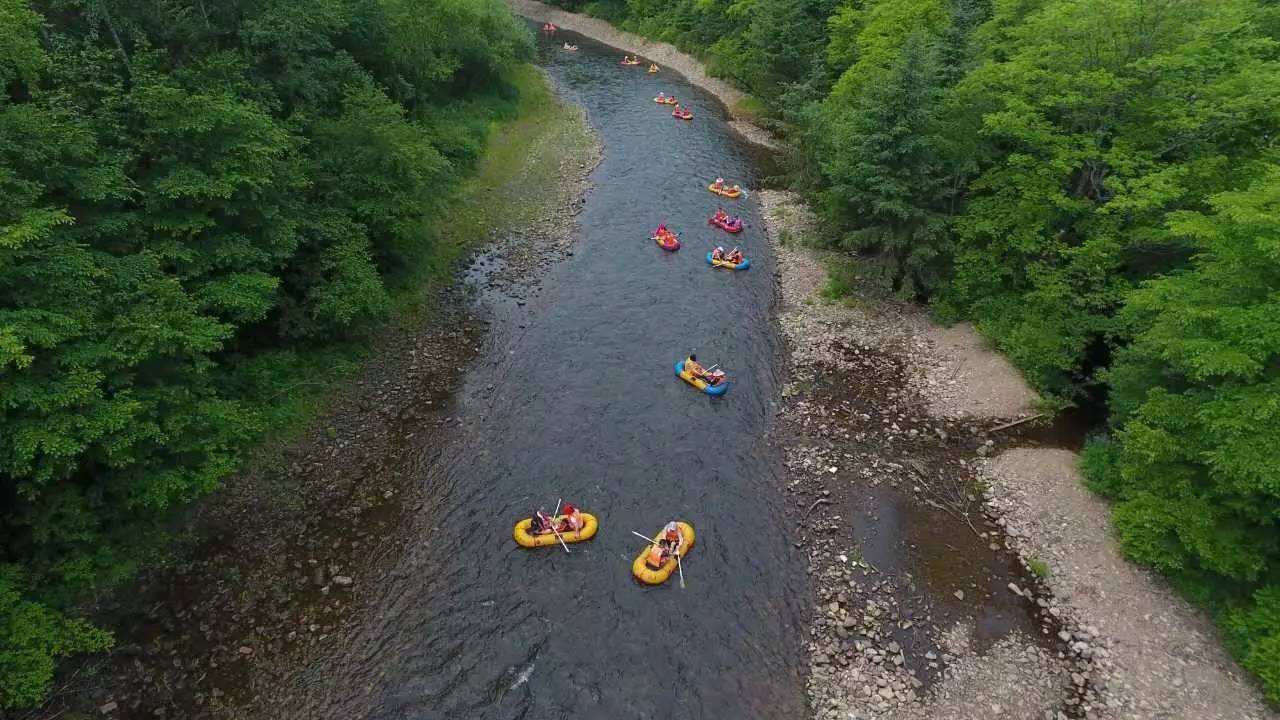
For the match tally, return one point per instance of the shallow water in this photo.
(482, 627)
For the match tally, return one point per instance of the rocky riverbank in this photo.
(285, 555)
(1153, 655)
(890, 428)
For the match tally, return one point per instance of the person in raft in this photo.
(722, 216)
(718, 253)
(733, 256)
(668, 545)
(662, 95)
(718, 184)
(573, 521)
(653, 67)
(697, 371)
(540, 523)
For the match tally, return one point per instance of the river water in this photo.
(576, 398)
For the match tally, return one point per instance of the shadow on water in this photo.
(574, 397)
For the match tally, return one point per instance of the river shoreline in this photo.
(913, 613)
(1113, 641)
(286, 554)
(667, 56)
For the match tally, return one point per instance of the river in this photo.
(575, 397)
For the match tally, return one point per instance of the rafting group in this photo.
(662, 554)
(660, 557)
(718, 257)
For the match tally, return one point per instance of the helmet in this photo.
(569, 509)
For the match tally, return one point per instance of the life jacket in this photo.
(655, 557)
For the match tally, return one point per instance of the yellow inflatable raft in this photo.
(725, 192)
(648, 575)
(524, 539)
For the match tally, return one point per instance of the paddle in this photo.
(553, 525)
(646, 538)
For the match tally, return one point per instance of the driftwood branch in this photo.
(1015, 423)
(816, 503)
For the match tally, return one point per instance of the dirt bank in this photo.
(667, 56)
(287, 553)
(1156, 656)
(881, 403)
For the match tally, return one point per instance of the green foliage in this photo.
(1090, 143)
(1254, 633)
(31, 637)
(200, 201)
(1197, 395)
(886, 189)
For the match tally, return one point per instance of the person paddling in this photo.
(540, 523)
(692, 367)
(700, 373)
(571, 519)
(734, 256)
(667, 546)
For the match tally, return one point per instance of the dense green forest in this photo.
(1096, 184)
(201, 200)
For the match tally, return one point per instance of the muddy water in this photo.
(576, 398)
